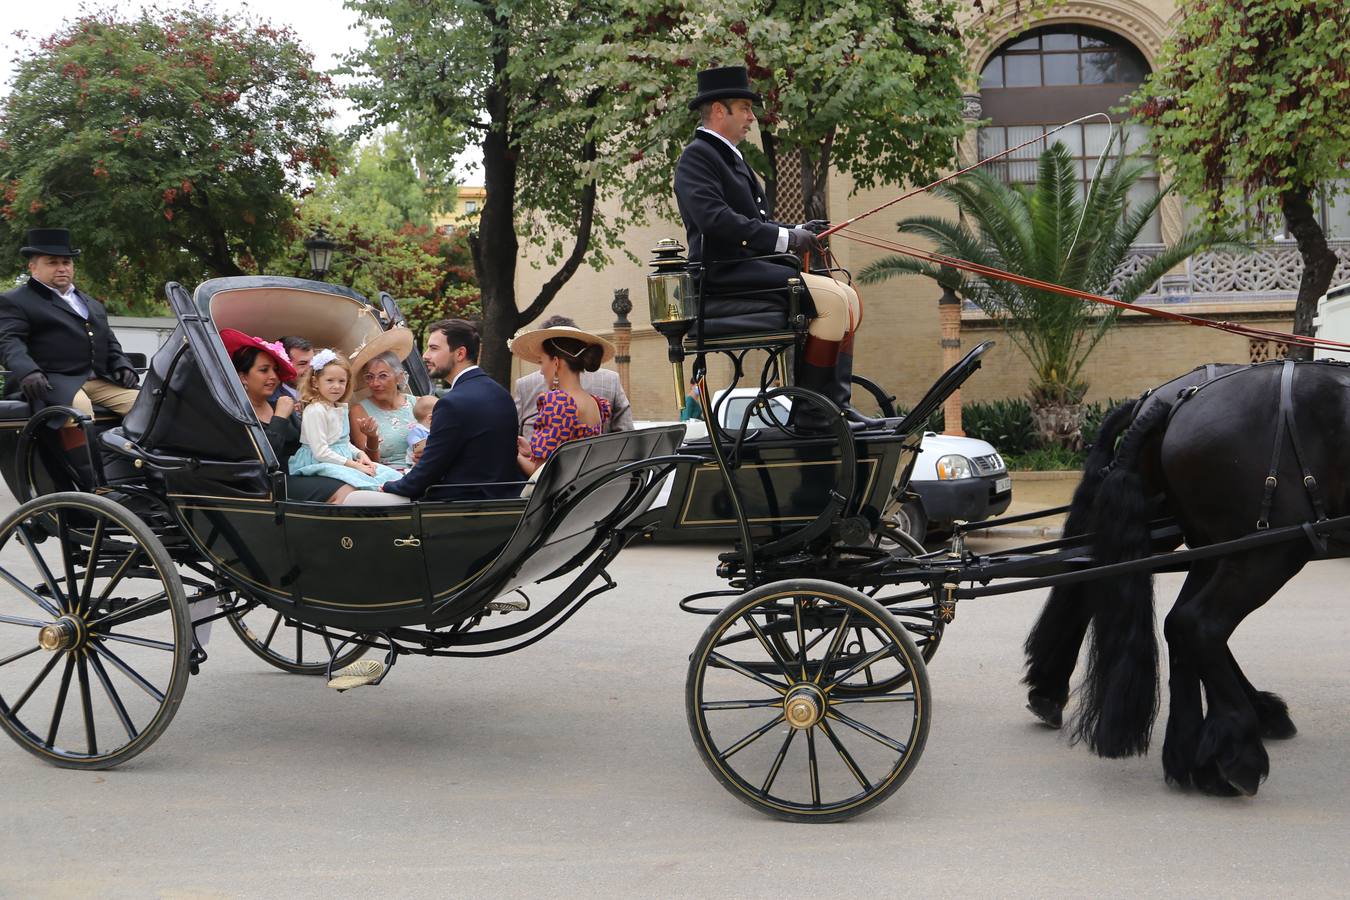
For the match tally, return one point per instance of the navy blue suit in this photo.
(725, 216)
(472, 445)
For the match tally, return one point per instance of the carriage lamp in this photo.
(320, 248)
(670, 298)
(954, 466)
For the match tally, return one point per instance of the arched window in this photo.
(1051, 75)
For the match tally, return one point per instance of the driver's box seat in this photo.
(746, 317)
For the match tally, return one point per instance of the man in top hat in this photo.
(600, 383)
(55, 339)
(722, 204)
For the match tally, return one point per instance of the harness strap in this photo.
(1284, 421)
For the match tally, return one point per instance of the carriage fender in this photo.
(963, 500)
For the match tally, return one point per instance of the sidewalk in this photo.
(1033, 491)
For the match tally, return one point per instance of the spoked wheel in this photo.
(289, 647)
(774, 727)
(94, 631)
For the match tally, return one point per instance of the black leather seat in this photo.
(14, 410)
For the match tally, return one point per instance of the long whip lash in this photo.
(843, 230)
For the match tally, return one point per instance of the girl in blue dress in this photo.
(325, 436)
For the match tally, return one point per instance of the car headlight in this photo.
(953, 466)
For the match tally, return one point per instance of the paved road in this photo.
(568, 770)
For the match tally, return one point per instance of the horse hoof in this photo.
(1245, 783)
(1209, 781)
(1048, 711)
(1278, 731)
(1273, 714)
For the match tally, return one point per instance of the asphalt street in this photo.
(568, 770)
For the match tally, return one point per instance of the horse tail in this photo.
(1051, 647)
(1119, 700)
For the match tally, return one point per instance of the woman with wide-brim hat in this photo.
(566, 412)
(380, 420)
(262, 367)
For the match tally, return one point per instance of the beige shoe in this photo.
(517, 604)
(363, 671)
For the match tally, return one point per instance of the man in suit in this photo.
(600, 383)
(473, 426)
(55, 339)
(722, 204)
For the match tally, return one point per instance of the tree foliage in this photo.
(380, 182)
(1046, 232)
(1249, 106)
(171, 143)
(867, 87)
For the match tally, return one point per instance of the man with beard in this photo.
(472, 446)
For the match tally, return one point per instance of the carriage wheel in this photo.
(775, 729)
(285, 645)
(94, 631)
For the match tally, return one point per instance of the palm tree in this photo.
(1046, 232)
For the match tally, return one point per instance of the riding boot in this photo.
(815, 372)
(844, 385)
(76, 451)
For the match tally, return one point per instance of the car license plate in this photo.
(1002, 485)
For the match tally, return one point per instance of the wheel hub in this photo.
(66, 633)
(804, 706)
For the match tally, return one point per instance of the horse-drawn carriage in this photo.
(807, 694)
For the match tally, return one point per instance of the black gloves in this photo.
(816, 226)
(35, 387)
(127, 378)
(801, 241)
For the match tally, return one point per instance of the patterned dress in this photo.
(393, 425)
(558, 422)
(325, 447)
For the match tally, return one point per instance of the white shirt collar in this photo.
(454, 381)
(70, 291)
(722, 139)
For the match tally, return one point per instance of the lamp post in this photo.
(320, 248)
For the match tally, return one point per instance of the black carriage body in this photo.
(430, 563)
(783, 482)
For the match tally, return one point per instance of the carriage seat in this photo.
(14, 410)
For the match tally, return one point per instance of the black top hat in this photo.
(48, 242)
(726, 83)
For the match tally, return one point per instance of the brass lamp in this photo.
(670, 298)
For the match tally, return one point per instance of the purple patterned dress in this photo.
(558, 422)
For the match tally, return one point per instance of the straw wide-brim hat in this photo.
(234, 340)
(529, 345)
(397, 340)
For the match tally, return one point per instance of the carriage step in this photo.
(512, 605)
(361, 672)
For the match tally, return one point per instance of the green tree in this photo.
(172, 143)
(871, 88)
(381, 182)
(1249, 106)
(1045, 232)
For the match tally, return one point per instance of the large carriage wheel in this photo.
(94, 631)
(283, 643)
(774, 727)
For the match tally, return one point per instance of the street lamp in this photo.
(320, 248)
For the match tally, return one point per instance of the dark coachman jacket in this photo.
(40, 332)
(725, 217)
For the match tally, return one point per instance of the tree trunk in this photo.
(1319, 262)
(494, 247)
(815, 178)
(771, 176)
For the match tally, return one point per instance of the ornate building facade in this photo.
(1028, 76)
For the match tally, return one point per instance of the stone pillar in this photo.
(949, 314)
(623, 335)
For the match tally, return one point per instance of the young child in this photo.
(420, 430)
(325, 437)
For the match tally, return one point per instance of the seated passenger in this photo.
(600, 383)
(261, 367)
(420, 430)
(380, 421)
(566, 412)
(299, 351)
(473, 426)
(325, 442)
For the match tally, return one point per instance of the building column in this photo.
(949, 315)
(623, 336)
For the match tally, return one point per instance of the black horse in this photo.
(1263, 446)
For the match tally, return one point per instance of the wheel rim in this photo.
(777, 730)
(289, 647)
(93, 631)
